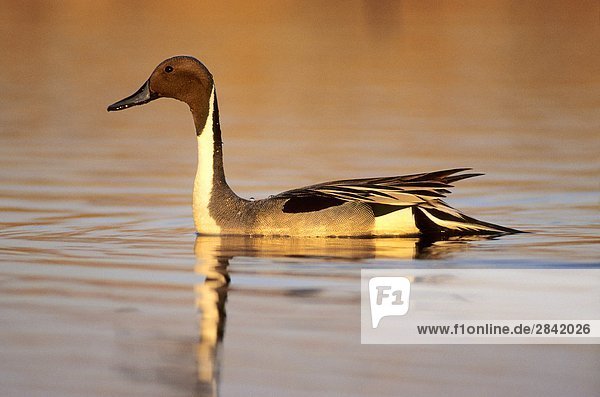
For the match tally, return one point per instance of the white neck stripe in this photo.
(203, 184)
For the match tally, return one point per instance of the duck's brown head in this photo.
(183, 78)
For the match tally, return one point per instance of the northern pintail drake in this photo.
(408, 205)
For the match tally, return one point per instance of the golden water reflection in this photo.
(213, 255)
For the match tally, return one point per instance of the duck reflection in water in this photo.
(214, 253)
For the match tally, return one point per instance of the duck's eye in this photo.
(169, 69)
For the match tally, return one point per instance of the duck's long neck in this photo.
(210, 186)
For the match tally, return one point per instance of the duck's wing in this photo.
(396, 191)
(385, 195)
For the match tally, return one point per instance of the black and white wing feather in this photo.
(401, 191)
(422, 192)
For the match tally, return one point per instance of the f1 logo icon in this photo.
(389, 296)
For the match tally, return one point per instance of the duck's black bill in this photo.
(140, 97)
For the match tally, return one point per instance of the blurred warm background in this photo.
(344, 87)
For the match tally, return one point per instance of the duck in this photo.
(392, 206)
